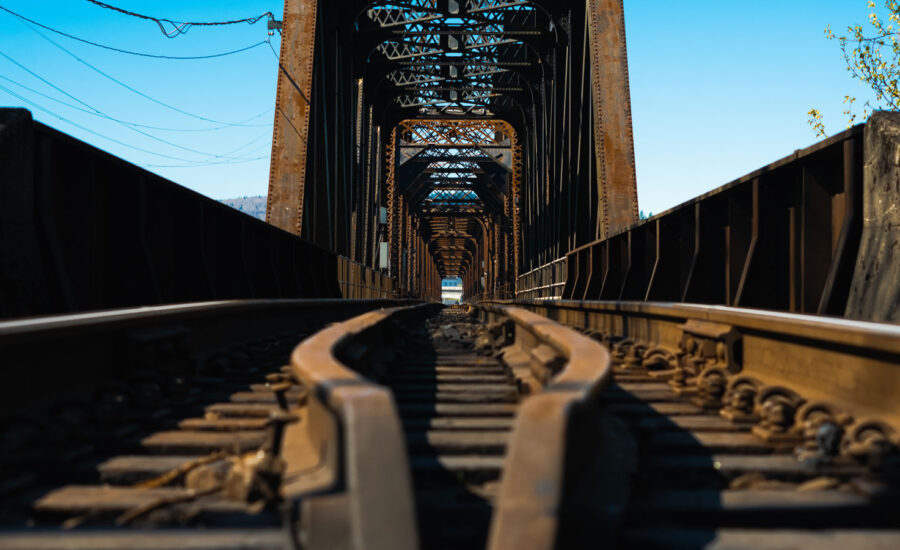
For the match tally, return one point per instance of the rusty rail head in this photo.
(786, 375)
(355, 424)
(587, 362)
(527, 511)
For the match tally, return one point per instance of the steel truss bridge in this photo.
(721, 375)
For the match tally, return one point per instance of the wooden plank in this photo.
(449, 378)
(696, 422)
(459, 423)
(263, 397)
(459, 442)
(139, 539)
(444, 397)
(642, 386)
(76, 499)
(472, 463)
(733, 465)
(713, 442)
(132, 469)
(617, 395)
(761, 539)
(502, 389)
(767, 507)
(242, 410)
(444, 369)
(189, 442)
(223, 424)
(643, 409)
(458, 409)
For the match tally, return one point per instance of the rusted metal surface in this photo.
(874, 294)
(572, 369)
(85, 351)
(287, 179)
(169, 416)
(393, 203)
(732, 418)
(459, 180)
(147, 539)
(613, 137)
(745, 428)
(354, 424)
(815, 369)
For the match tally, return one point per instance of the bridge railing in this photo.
(360, 281)
(785, 237)
(543, 283)
(82, 230)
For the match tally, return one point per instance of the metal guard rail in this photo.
(355, 425)
(529, 510)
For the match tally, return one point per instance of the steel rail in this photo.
(573, 369)
(815, 369)
(354, 423)
(99, 346)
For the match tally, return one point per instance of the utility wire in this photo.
(134, 90)
(242, 160)
(206, 164)
(106, 116)
(129, 52)
(289, 76)
(248, 144)
(202, 165)
(122, 143)
(181, 27)
(88, 130)
(294, 83)
(94, 113)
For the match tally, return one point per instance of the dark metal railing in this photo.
(784, 237)
(82, 230)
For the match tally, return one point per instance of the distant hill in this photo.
(254, 206)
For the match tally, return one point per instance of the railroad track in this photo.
(457, 407)
(497, 428)
(181, 456)
(703, 480)
(154, 427)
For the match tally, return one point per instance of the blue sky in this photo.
(719, 88)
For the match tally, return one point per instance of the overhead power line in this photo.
(104, 115)
(191, 163)
(172, 28)
(88, 130)
(135, 124)
(130, 52)
(134, 90)
(205, 164)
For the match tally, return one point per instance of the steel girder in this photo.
(287, 176)
(554, 73)
(442, 192)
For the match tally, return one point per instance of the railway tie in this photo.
(416, 427)
(703, 480)
(457, 409)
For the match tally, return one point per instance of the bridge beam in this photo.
(290, 135)
(613, 134)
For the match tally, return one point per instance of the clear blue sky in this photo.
(719, 87)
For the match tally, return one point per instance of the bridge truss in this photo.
(469, 121)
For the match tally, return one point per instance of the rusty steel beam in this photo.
(290, 135)
(613, 134)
